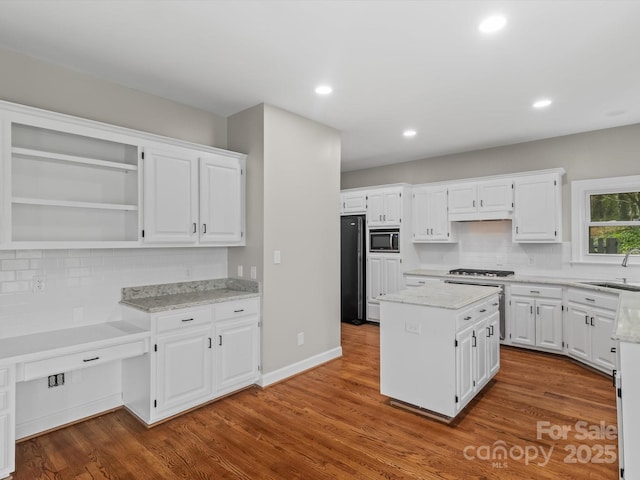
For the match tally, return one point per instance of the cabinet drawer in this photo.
(486, 308)
(536, 291)
(419, 281)
(183, 318)
(592, 298)
(239, 308)
(4, 377)
(89, 358)
(466, 318)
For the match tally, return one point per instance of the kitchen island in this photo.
(439, 346)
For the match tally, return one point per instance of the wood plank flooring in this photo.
(332, 422)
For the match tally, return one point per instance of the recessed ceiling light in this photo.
(545, 102)
(324, 90)
(409, 133)
(492, 24)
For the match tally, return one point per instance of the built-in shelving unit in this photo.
(70, 187)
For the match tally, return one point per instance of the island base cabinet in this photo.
(7, 421)
(628, 383)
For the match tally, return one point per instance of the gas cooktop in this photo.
(472, 272)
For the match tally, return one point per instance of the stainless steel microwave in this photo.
(384, 240)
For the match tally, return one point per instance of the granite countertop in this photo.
(445, 295)
(171, 296)
(517, 278)
(628, 321)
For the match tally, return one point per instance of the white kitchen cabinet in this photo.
(184, 368)
(221, 200)
(7, 420)
(437, 359)
(481, 200)
(384, 275)
(237, 359)
(536, 316)
(170, 195)
(538, 208)
(493, 356)
(590, 321)
(198, 355)
(430, 219)
(353, 202)
(628, 399)
(190, 197)
(384, 207)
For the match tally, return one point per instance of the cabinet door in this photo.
(420, 209)
(482, 333)
(523, 322)
(392, 276)
(462, 198)
(495, 196)
(237, 347)
(392, 212)
(464, 367)
(7, 445)
(354, 202)
(537, 209)
(184, 368)
(221, 200)
(439, 214)
(494, 343)
(375, 207)
(374, 277)
(601, 342)
(549, 324)
(170, 196)
(578, 331)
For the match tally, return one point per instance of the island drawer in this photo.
(419, 281)
(536, 291)
(487, 308)
(182, 318)
(235, 309)
(89, 358)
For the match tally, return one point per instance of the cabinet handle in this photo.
(195, 227)
(91, 359)
(586, 319)
(491, 330)
(185, 320)
(475, 340)
(531, 309)
(239, 310)
(488, 332)
(495, 304)
(422, 282)
(380, 217)
(482, 203)
(517, 229)
(204, 228)
(592, 321)
(537, 310)
(210, 344)
(613, 350)
(613, 376)
(590, 299)
(384, 217)
(467, 318)
(535, 291)
(474, 203)
(483, 310)
(220, 340)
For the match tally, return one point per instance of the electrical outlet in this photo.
(38, 285)
(301, 338)
(56, 380)
(240, 271)
(254, 273)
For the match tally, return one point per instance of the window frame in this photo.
(581, 190)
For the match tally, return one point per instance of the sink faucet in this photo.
(626, 257)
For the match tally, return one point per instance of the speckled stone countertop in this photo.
(628, 321)
(171, 296)
(445, 295)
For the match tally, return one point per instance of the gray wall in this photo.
(38, 84)
(295, 205)
(602, 153)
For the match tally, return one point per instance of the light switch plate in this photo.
(276, 257)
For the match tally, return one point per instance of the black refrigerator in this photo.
(353, 265)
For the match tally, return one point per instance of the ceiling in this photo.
(393, 65)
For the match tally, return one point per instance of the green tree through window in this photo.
(614, 226)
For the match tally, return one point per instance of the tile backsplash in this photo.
(43, 290)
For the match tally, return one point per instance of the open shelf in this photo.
(73, 204)
(44, 155)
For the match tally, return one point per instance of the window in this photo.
(606, 218)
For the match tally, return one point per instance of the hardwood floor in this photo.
(332, 422)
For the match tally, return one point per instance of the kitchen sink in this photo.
(618, 286)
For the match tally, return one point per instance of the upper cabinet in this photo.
(353, 202)
(190, 197)
(481, 200)
(384, 207)
(430, 219)
(538, 208)
(69, 182)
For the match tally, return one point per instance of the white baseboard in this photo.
(69, 415)
(298, 367)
